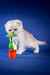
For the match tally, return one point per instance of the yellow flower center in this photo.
(10, 34)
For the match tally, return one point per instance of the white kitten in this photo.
(23, 39)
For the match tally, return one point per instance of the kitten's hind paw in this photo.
(36, 51)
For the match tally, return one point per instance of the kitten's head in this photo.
(13, 26)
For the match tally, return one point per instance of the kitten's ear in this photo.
(6, 24)
(19, 23)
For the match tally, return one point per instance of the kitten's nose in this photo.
(13, 32)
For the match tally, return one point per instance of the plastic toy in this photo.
(12, 52)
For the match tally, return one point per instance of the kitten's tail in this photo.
(42, 43)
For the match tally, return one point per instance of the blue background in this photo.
(35, 16)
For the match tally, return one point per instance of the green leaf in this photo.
(11, 46)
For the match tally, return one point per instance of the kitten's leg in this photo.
(15, 46)
(21, 48)
(36, 49)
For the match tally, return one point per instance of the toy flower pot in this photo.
(12, 53)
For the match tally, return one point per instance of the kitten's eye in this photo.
(10, 30)
(15, 29)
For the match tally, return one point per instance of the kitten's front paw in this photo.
(36, 51)
(18, 52)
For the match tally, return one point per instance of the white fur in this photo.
(23, 39)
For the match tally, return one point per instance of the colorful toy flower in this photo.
(11, 44)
